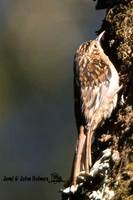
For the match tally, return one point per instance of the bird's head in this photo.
(92, 45)
(96, 45)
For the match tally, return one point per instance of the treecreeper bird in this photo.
(96, 84)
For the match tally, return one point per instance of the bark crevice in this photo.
(115, 182)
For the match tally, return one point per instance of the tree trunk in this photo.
(113, 141)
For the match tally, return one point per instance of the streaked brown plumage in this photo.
(96, 83)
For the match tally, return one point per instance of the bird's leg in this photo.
(78, 155)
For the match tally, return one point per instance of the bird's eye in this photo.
(95, 45)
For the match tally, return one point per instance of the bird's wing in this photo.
(93, 81)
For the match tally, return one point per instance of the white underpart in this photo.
(114, 81)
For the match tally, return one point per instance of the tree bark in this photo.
(115, 182)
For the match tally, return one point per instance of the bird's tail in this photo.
(82, 157)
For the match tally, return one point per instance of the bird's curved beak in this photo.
(100, 36)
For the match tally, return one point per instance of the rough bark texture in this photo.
(119, 26)
(115, 183)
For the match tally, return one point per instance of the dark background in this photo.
(37, 127)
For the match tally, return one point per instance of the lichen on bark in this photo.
(118, 24)
(116, 133)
